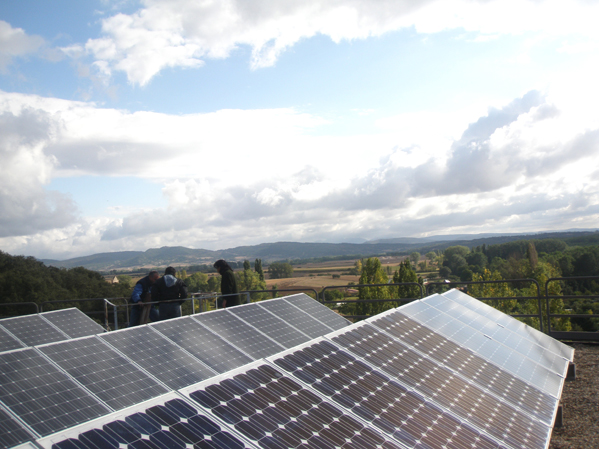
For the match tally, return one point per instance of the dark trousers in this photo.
(169, 310)
(136, 315)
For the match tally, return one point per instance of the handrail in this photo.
(354, 286)
(504, 298)
(547, 296)
(37, 309)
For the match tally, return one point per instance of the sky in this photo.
(128, 125)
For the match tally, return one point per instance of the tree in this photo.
(415, 257)
(125, 279)
(431, 255)
(373, 273)
(246, 265)
(280, 270)
(494, 290)
(197, 282)
(405, 274)
(248, 280)
(258, 268)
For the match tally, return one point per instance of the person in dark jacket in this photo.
(142, 293)
(171, 292)
(228, 285)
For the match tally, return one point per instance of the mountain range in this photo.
(294, 251)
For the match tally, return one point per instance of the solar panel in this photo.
(448, 390)
(240, 334)
(272, 410)
(7, 341)
(527, 332)
(502, 356)
(277, 329)
(73, 322)
(11, 431)
(33, 330)
(400, 412)
(296, 317)
(202, 343)
(165, 422)
(533, 351)
(108, 375)
(318, 311)
(41, 395)
(159, 356)
(471, 366)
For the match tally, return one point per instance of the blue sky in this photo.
(126, 125)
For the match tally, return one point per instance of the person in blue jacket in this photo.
(142, 292)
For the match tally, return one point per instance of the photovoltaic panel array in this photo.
(533, 351)
(471, 366)
(159, 356)
(212, 350)
(498, 354)
(236, 331)
(33, 330)
(8, 342)
(99, 368)
(390, 381)
(272, 410)
(319, 311)
(42, 396)
(73, 322)
(12, 433)
(166, 422)
(273, 326)
(524, 331)
(297, 318)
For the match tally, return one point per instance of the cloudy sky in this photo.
(128, 125)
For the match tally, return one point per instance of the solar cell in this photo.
(503, 356)
(159, 356)
(73, 322)
(108, 375)
(470, 365)
(41, 395)
(202, 343)
(533, 351)
(401, 413)
(165, 422)
(7, 341)
(240, 334)
(318, 311)
(12, 432)
(467, 401)
(33, 330)
(272, 410)
(277, 329)
(296, 317)
(529, 333)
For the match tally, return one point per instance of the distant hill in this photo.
(294, 251)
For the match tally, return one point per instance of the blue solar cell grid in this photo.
(159, 356)
(103, 371)
(526, 332)
(168, 422)
(73, 322)
(33, 330)
(272, 410)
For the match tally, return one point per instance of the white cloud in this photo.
(14, 42)
(183, 33)
(236, 177)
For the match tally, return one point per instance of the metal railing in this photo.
(120, 304)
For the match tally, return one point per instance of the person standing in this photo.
(228, 285)
(142, 293)
(170, 292)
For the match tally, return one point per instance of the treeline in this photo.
(25, 279)
(539, 260)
